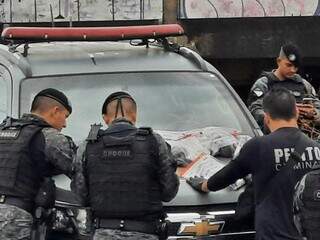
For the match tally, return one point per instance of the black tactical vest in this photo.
(307, 205)
(296, 87)
(19, 175)
(122, 175)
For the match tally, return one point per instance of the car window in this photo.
(3, 98)
(166, 100)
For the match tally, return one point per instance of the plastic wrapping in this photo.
(203, 152)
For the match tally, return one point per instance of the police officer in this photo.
(32, 149)
(264, 157)
(288, 61)
(129, 171)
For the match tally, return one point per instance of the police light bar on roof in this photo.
(91, 33)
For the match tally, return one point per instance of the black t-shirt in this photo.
(264, 157)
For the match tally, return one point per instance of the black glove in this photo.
(181, 159)
(179, 155)
(196, 182)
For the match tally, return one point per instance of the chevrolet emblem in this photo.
(200, 228)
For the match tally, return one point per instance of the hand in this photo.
(179, 154)
(307, 111)
(196, 182)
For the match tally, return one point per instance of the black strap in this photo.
(293, 159)
(93, 134)
(144, 131)
(128, 225)
(119, 104)
(26, 205)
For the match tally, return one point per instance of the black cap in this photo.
(114, 96)
(291, 52)
(56, 95)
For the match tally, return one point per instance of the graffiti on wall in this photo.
(248, 8)
(78, 10)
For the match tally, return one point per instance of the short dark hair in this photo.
(44, 96)
(43, 104)
(280, 104)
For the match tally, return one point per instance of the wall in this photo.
(247, 8)
(78, 10)
(101, 10)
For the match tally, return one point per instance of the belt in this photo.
(17, 202)
(127, 225)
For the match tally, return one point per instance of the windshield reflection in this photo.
(166, 101)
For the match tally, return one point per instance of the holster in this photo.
(41, 222)
(44, 201)
(163, 230)
(46, 195)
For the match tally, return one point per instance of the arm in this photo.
(223, 178)
(228, 175)
(312, 93)
(79, 182)
(169, 181)
(236, 169)
(59, 151)
(257, 92)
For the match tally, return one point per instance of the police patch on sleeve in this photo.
(258, 92)
(296, 93)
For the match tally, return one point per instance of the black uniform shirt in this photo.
(297, 85)
(264, 157)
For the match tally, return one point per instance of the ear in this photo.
(266, 119)
(297, 112)
(54, 110)
(134, 118)
(106, 118)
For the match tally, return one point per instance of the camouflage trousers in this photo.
(15, 223)
(111, 234)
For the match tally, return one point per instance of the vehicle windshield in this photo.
(173, 101)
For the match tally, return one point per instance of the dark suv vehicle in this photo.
(175, 89)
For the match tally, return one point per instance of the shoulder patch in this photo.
(296, 93)
(258, 92)
(9, 134)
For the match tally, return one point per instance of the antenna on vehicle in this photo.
(25, 49)
(12, 47)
